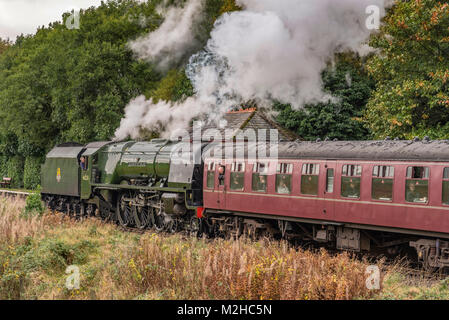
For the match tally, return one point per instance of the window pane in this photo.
(446, 173)
(446, 192)
(259, 167)
(418, 172)
(352, 170)
(238, 166)
(383, 171)
(284, 168)
(309, 184)
(330, 180)
(237, 180)
(382, 189)
(416, 191)
(283, 183)
(210, 179)
(310, 168)
(350, 187)
(259, 182)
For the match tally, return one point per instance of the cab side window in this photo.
(382, 183)
(83, 163)
(417, 184)
(210, 175)
(309, 178)
(284, 178)
(350, 181)
(237, 175)
(445, 197)
(259, 179)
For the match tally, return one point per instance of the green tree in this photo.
(4, 44)
(72, 85)
(411, 72)
(32, 172)
(350, 84)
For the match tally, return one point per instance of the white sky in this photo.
(25, 16)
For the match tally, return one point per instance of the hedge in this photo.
(15, 171)
(32, 172)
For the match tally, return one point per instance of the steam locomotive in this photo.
(351, 195)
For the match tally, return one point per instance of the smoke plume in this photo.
(271, 50)
(168, 43)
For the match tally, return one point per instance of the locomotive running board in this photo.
(344, 224)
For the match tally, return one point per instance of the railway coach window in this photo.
(446, 186)
(382, 183)
(309, 178)
(284, 178)
(417, 184)
(237, 175)
(211, 175)
(259, 182)
(350, 181)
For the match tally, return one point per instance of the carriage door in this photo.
(328, 190)
(221, 185)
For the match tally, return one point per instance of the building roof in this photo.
(245, 123)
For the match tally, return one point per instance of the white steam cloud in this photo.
(168, 43)
(271, 50)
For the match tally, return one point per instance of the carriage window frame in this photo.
(445, 179)
(348, 173)
(309, 172)
(211, 168)
(382, 172)
(237, 174)
(257, 172)
(409, 177)
(284, 170)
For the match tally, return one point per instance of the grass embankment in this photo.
(36, 250)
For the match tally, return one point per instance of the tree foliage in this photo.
(73, 84)
(411, 72)
(4, 44)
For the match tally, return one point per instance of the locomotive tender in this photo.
(351, 195)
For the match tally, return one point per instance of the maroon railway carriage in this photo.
(356, 195)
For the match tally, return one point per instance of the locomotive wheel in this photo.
(159, 221)
(124, 213)
(105, 213)
(195, 227)
(172, 226)
(142, 216)
(90, 210)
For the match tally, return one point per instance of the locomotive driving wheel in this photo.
(143, 217)
(159, 220)
(124, 211)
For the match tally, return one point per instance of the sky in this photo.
(25, 16)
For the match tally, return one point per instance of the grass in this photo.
(36, 250)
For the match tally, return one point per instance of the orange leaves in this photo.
(438, 11)
(402, 25)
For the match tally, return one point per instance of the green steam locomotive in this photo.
(137, 184)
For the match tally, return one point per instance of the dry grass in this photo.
(14, 226)
(35, 251)
(194, 269)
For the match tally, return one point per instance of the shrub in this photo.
(32, 172)
(34, 203)
(3, 166)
